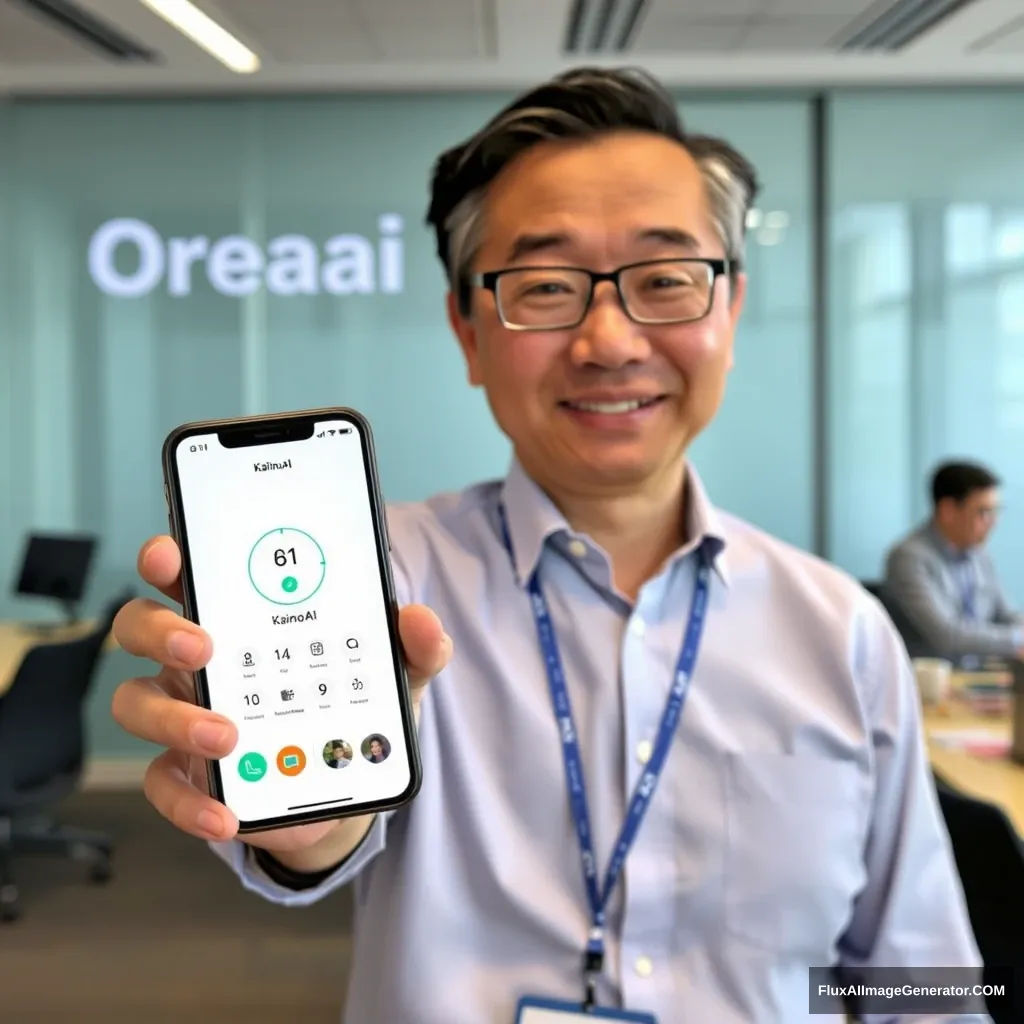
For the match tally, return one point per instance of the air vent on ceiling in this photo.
(603, 26)
(899, 24)
(85, 28)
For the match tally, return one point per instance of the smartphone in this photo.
(286, 564)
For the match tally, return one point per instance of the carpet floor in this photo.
(171, 938)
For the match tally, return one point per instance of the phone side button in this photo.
(170, 520)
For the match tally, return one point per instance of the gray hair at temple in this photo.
(578, 104)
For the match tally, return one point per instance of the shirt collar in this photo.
(953, 554)
(533, 518)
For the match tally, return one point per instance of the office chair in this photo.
(990, 861)
(917, 645)
(42, 750)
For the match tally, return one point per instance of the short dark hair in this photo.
(959, 480)
(578, 104)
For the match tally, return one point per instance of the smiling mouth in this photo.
(613, 408)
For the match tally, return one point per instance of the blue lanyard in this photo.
(597, 895)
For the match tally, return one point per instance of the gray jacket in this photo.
(956, 601)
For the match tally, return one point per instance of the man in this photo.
(595, 260)
(338, 755)
(942, 578)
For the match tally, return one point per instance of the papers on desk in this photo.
(986, 697)
(978, 742)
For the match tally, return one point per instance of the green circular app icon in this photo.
(252, 767)
(286, 565)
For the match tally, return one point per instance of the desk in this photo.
(16, 640)
(999, 781)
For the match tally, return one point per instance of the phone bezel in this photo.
(297, 422)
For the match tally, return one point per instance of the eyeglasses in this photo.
(988, 512)
(557, 298)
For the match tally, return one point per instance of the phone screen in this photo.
(287, 562)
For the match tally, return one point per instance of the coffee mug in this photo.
(934, 677)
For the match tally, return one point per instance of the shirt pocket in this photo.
(794, 851)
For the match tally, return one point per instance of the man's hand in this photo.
(161, 709)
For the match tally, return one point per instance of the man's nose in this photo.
(608, 337)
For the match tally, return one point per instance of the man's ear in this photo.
(464, 330)
(737, 296)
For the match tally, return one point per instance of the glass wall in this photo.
(926, 292)
(167, 261)
(757, 458)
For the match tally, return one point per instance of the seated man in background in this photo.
(942, 578)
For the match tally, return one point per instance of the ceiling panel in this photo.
(27, 39)
(436, 29)
(1008, 41)
(1006, 37)
(848, 9)
(293, 46)
(439, 42)
(792, 34)
(324, 32)
(701, 10)
(362, 30)
(688, 35)
(754, 25)
(442, 12)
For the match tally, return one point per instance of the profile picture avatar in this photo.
(376, 748)
(337, 754)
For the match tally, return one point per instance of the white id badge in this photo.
(534, 1010)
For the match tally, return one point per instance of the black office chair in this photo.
(42, 749)
(990, 860)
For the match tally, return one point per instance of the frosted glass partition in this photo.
(165, 261)
(926, 292)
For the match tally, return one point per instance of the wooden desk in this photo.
(998, 780)
(16, 640)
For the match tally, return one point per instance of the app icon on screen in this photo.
(291, 760)
(252, 766)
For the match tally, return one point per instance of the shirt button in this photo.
(637, 627)
(577, 549)
(644, 751)
(644, 967)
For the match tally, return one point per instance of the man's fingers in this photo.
(159, 564)
(428, 649)
(143, 708)
(168, 789)
(151, 630)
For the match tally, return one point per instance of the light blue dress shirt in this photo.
(795, 824)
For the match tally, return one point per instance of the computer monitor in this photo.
(57, 566)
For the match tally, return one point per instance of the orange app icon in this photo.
(291, 760)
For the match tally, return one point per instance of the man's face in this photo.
(599, 205)
(969, 523)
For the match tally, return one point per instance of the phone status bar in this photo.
(325, 431)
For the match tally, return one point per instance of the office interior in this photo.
(883, 329)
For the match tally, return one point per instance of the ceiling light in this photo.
(205, 32)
